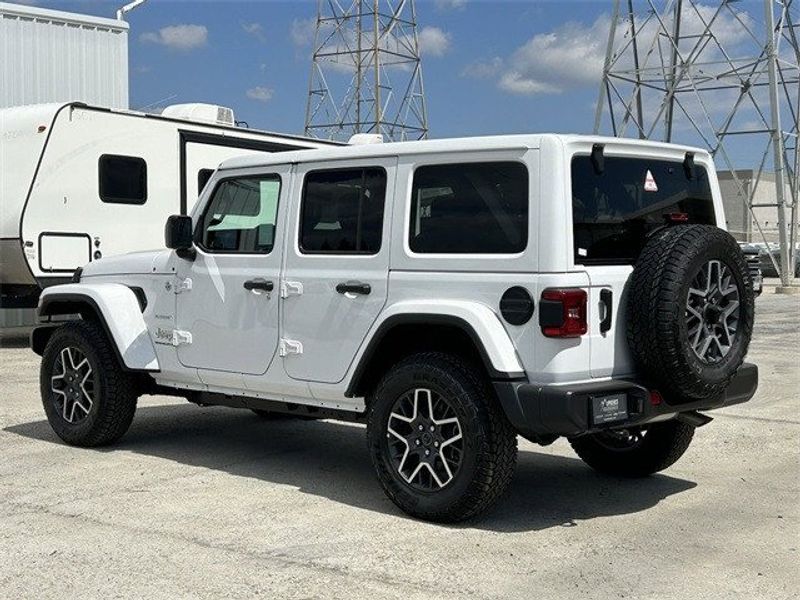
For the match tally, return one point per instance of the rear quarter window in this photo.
(469, 208)
(614, 211)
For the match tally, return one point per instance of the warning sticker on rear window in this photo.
(650, 182)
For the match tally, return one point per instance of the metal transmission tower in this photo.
(366, 75)
(715, 75)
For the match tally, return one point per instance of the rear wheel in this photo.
(88, 398)
(634, 452)
(442, 448)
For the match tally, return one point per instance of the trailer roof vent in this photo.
(196, 111)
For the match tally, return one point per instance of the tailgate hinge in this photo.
(287, 347)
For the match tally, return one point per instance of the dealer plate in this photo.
(610, 408)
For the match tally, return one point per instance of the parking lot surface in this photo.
(217, 503)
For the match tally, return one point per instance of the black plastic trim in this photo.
(517, 305)
(546, 410)
(607, 299)
(141, 297)
(425, 319)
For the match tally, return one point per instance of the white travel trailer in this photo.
(80, 182)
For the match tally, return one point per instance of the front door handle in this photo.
(261, 285)
(354, 287)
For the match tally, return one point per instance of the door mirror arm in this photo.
(186, 253)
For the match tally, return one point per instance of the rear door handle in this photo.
(607, 300)
(261, 285)
(354, 287)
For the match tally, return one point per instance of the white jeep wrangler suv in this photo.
(452, 294)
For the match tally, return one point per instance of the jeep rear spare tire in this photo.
(690, 311)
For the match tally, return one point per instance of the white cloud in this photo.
(517, 83)
(571, 56)
(483, 69)
(256, 30)
(450, 4)
(433, 41)
(178, 37)
(260, 93)
(302, 32)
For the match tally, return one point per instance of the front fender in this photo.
(118, 310)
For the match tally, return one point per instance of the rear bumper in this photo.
(566, 410)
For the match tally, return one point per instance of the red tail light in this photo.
(562, 312)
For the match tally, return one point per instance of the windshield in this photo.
(614, 211)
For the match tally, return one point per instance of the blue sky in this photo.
(489, 66)
(463, 97)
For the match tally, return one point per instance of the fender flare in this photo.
(477, 320)
(119, 312)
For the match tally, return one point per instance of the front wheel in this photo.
(634, 452)
(442, 448)
(88, 398)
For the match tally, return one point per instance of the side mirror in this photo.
(178, 234)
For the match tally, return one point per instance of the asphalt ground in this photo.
(217, 503)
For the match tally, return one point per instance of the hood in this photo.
(134, 263)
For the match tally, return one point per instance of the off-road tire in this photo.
(490, 443)
(657, 327)
(115, 393)
(661, 446)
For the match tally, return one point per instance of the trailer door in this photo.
(201, 154)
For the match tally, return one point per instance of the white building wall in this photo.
(53, 56)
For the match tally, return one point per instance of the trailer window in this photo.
(241, 215)
(614, 211)
(122, 179)
(470, 208)
(342, 211)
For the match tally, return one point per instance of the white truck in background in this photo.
(81, 182)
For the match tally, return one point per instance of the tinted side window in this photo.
(203, 175)
(241, 215)
(123, 179)
(342, 211)
(471, 208)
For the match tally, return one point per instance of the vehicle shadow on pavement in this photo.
(14, 340)
(330, 460)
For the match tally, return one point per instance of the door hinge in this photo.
(184, 285)
(290, 347)
(291, 288)
(181, 337)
